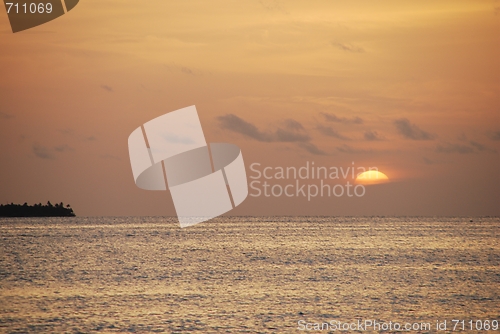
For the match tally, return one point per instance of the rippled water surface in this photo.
(249, 275)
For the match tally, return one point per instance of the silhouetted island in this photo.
(37, 210)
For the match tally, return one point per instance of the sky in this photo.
(409, 87)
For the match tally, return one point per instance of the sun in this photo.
(372, 177)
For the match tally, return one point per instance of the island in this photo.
(37, 210)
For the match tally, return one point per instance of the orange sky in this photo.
(412, 87)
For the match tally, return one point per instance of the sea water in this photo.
(247, 274)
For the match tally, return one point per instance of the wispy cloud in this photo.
(67, 132)
(311, 148)
(174, 67)
(372, 136)
(170, 138)
(236, 124)
(273, 5)
(63, 148)
(74, 135)
(428, 161)
(348, 47)
(480, 147)
(187, 70)
(454, 148)
(328, 131)
(352, 150)
(411, 131)
(42, 152)
(107, 88)
(471, 147)
(4, 115)
(495, 135)
(289, 131)
(334, 118)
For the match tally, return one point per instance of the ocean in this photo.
(249, 275)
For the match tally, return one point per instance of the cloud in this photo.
(177, 139)
(110, 157)
(289, 131)
(107, 88)
(72, 134)
(42, 152)
(480, 147)
(174, 67)
(5, 115)
(344, 120)
(348, 47)
(351, 150)
(293, 124)
(63, 148)
(311, 148)
(411, 131)
(471, 147)
(236, 124)
(186, 70)
(273, 5)
(372, 136)
(67, 132)
(495, 135)
(454, 148)
(428, 161)
(328, 131)
(293, 131)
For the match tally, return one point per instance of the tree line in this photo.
(37, 210)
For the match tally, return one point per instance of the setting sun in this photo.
(372, 177)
